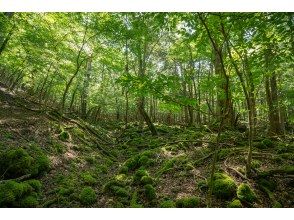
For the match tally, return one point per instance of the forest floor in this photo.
(112, 159)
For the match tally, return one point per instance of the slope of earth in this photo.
(118, 166)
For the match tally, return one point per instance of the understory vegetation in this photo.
(168, 110)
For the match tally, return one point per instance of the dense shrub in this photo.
(188, 202)
(245, 193)
(224, 186)
(87, 196)
(235, 204)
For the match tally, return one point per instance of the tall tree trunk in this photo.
(85, 91)
(271, 90)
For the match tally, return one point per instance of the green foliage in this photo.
(224, 186)
(24, 194)
(167, 204)
(235, 204)
(188, 202)
(149, 192)
(245, 193)
(88, 196)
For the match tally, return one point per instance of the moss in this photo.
(124, 169)
(267, 183)
(188, 202)
(90, 160)
(168, 165)
(88, 178)
(120, 191)
(235, 204)
(149, 192)
(277, 205)
(267, 143)
(63, 136)
(132, 163)
(14, 194)
(65, 191)
(35, 184)
(15, 163)
(167, 204)
(108, 187)
(29, 202)
(87, 196)
(224, 186)
(224, 153)
(101, 168)
(146, 180)
(245, 193)
(139, 174)
(58, 148)
(133, 203)
(256, 164)
(144, 161)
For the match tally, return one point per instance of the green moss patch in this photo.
(88, 196)
(188, 202)
(224, 187)
(245, 193)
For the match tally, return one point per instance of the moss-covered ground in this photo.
(83, 165)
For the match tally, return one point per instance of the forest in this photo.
(138, 110)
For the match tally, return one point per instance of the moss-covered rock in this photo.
(146, 180)
(188, 202)
(15, 163)
(24, 194)
(149, 192)
(87, 196)
(245, 193)
(88, 178)
(235, 204)
(139, 174)
(167, 204)
(224, 187)
(29, 202)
